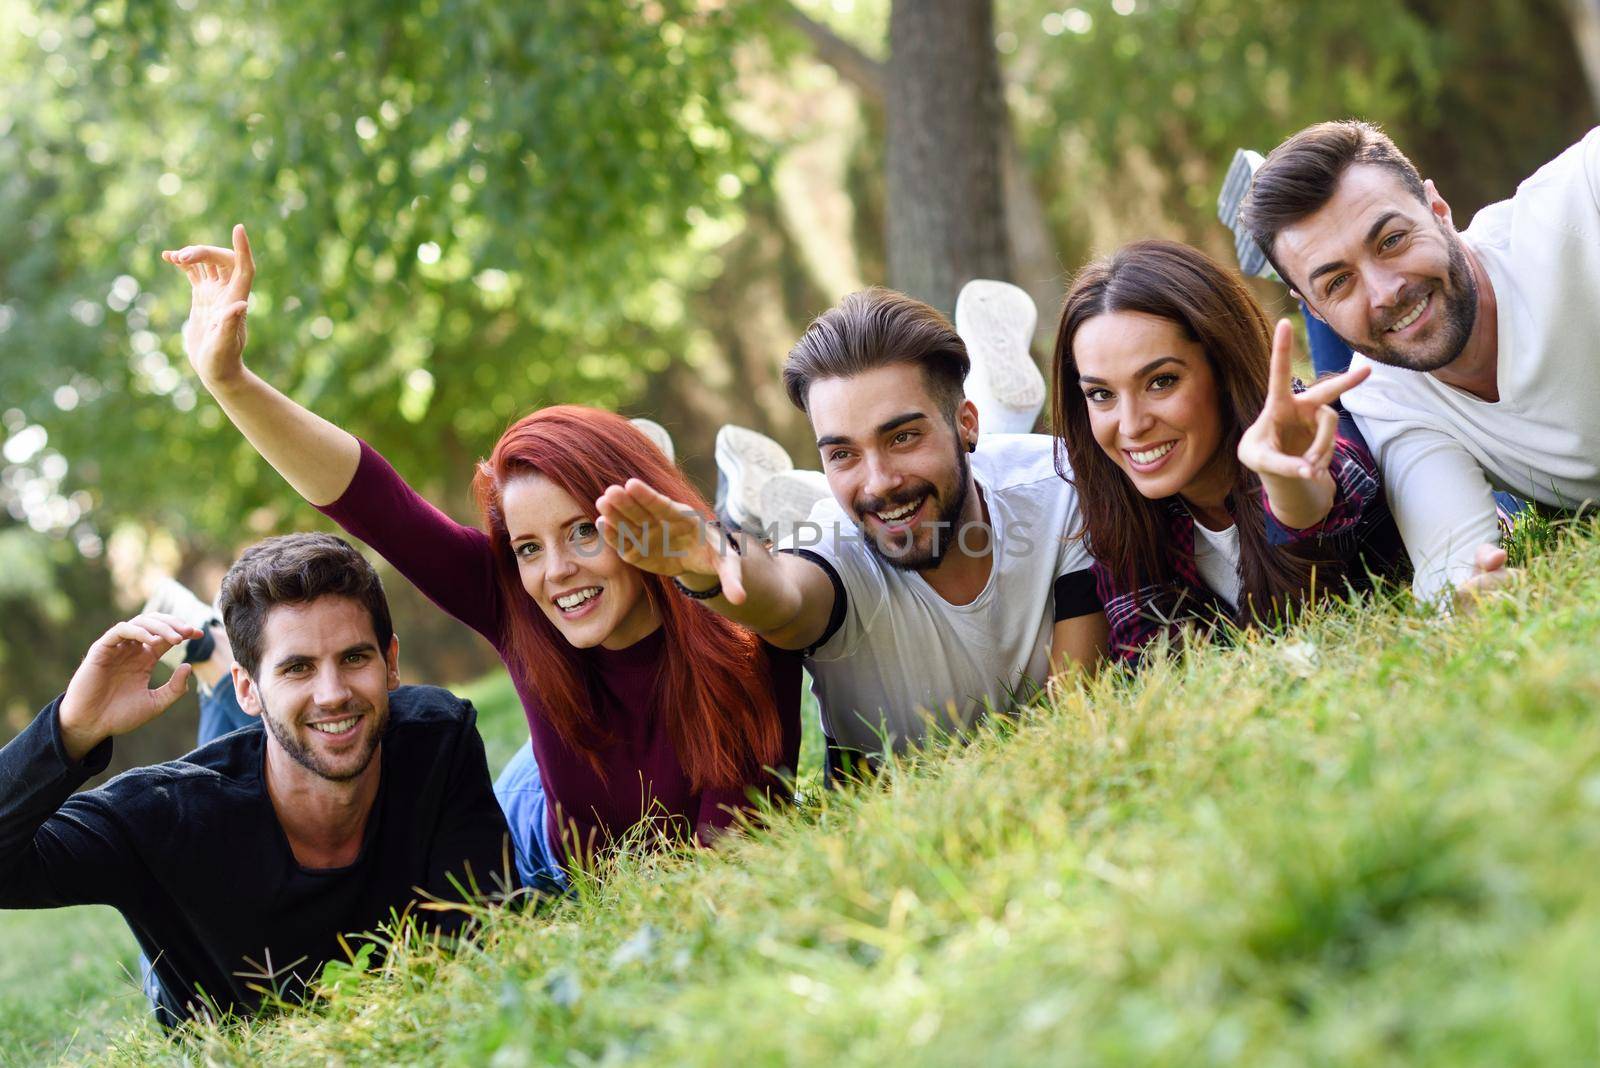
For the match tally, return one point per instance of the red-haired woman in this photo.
(643, 706)
(1212, 489)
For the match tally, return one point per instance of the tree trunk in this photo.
(944, 118)
(1035, 263)
(1584, 18)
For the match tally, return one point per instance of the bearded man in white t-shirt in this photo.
(1483, 344)
(945, 577)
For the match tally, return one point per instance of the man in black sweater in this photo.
(240, 866)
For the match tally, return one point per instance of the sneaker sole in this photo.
(657, 434)
(748, 459)
(1235, 187)
(997, 320)
(789, 496)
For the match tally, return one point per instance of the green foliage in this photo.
(1367, 842)
(461, 210)
(1136, 106)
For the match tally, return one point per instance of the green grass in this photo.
(68, 983)
(1371, 842)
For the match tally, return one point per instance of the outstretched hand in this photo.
(219, 297)
(110, 693)
(655, 533)
(1295, 433)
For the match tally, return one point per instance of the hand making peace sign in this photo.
(1294, 435)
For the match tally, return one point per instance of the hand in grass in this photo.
(1489, 575)
(110, 693)
(655, 533)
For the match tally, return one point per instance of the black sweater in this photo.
(192, 854)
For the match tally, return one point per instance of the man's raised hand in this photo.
(655, 533)
(219, 297)
(110, 692)
(1295, 433)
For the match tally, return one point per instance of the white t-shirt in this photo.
(903, 658)
(1216, 557)
(1443, 451)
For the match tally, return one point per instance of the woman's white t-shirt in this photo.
(1216, 557)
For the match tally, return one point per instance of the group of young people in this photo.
(1189, 485)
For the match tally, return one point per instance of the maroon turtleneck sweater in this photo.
(642, 775)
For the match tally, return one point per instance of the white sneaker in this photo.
(746, 459)
(787, 500)
(658, 434)
(996, 320)
(173, 598)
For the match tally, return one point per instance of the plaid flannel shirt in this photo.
(1358, 527)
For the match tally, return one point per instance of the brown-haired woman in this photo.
(1213, 488)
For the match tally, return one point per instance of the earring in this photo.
(972, 446)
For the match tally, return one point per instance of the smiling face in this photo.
(323, 685)
(894, 461)
(1385, 270)
(1153, 404)
(578, 581)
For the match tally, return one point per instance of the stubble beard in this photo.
(1456, 319)
(945, 531)
(303, 755)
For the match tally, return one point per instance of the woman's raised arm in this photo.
(315, 457)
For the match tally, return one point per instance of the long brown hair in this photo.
(713, 689)
(1125, 530)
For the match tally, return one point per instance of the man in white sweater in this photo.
(1484, 344)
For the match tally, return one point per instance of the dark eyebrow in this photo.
(899, 421)
(1372, 235)
(882, 428)
(1378, 224)
(291, 659)
(1141, 372)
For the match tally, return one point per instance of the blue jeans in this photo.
(220, 713)
(1329, 354)
(520, 791)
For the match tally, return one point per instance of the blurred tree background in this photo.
(464, 209)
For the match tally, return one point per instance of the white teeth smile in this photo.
(902, 512)
(336, 727)
(573, 600)
(1150, 456)
(1411, 317)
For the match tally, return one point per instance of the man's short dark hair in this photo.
(295, 569)
(1301, 175)
(876, 328)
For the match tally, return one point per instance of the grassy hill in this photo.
(1371, 841)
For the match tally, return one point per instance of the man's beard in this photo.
(308, 759)
(1455, 318)
(946, 527)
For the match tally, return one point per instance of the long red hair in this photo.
(713, 689)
